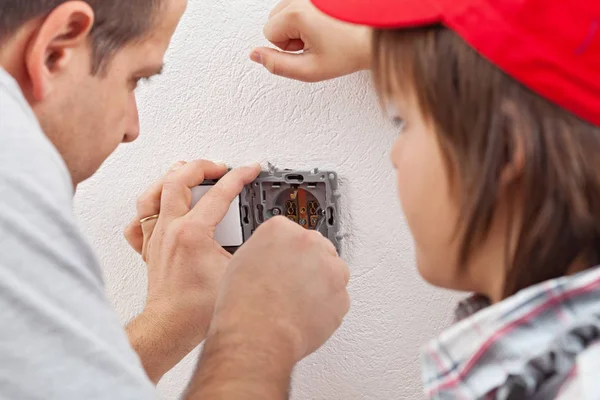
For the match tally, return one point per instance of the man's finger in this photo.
(134, 236)
(176, 195)
(301, 67)
(330, 247)
(326, 243)
(149, 202)
(214, 205)
(345, 272)
(147, 231)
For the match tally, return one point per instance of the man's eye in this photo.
(136, 81)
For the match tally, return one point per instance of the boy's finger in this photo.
(288, 45)
(293, 45)
(283, 27)
(295, 66)
(214, 205)
(279, 7)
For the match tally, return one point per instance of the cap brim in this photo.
(382, 13)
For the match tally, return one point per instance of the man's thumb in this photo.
(290, 65)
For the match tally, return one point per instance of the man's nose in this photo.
(132, 129)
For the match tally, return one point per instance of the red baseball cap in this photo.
(550, 46)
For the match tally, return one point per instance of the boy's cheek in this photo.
(431, 218)
(409, 179)
(395, 154)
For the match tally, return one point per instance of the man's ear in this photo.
(65, 30)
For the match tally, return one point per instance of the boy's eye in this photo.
(399, 123)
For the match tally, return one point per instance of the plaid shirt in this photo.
(542, 343)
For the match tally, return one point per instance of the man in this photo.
(68, 71)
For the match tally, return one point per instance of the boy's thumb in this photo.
(289, 65)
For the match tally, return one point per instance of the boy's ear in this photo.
(49, 54)
(513, 170)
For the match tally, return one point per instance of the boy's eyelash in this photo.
(399, 123)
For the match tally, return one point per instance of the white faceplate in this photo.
(229, 231)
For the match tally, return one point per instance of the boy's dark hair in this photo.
(484, 119)
(117, 22)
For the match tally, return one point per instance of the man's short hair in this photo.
(117, 22)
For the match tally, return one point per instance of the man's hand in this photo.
(330, 48)
(283, 295)
(185, 263)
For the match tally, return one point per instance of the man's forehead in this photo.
(156, 42)
(167, 19)
(151, 49)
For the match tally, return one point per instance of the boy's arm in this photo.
(330, 48)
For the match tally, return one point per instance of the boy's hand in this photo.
(330, 48)
(185, 263)
(282, 296)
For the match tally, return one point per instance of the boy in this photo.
(498, 106)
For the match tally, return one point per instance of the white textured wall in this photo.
(213, 103)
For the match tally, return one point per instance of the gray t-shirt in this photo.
(59, 337)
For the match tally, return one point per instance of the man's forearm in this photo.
(161, 343)
(242, 368)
